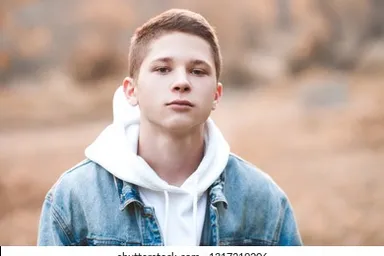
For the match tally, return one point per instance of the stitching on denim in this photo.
(63, 226)
(142, 224)
(82, 163)
(154, 218)
(49, 197)
(110, 240)
(283, 207)
(246, 242)
(139, 221)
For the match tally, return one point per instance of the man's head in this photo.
(174, 20)
(174, 69)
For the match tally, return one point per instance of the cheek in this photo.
(146, 98)
(206, 98)
(154, 84)
(145, 87)
(209, 91)
(206, 86)
(149, 97)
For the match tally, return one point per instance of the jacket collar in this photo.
(129, 193)
(216, 191)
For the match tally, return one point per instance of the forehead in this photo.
(179, 47)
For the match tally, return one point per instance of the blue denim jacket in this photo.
(89, 206)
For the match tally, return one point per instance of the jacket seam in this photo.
(62, 225)
(82, 163)
(247, 241)
(276, 238)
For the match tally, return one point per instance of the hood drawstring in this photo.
(195, 216)
(166, 210)
(166, 216)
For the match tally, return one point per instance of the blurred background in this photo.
(303, 100)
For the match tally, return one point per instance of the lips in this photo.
(180, 103)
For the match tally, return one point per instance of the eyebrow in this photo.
(200, 62)
(165, 59)
(193, 62)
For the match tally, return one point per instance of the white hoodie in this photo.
(180, 211)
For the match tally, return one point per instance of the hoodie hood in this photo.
(115, 149)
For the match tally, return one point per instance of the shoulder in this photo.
(79, 182)
(250, 181)
(266, 214)
(77, 201)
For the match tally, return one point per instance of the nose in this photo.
(181, 83)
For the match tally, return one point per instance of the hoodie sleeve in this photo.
(52, 229)
(289, 234)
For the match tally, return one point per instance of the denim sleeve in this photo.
(289, 234)
(52, 228)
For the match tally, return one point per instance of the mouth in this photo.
(184, 103)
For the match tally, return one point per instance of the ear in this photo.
(130, 91)
(218, 95)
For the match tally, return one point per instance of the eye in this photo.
(162, 70)
(198, 72)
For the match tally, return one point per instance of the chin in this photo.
(180, 126)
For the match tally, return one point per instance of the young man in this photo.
(162, 173)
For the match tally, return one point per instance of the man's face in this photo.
(176, 87)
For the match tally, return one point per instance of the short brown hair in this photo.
(174, 20)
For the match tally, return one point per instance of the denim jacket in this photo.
(89, 206)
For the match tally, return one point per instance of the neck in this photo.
(174, 157)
